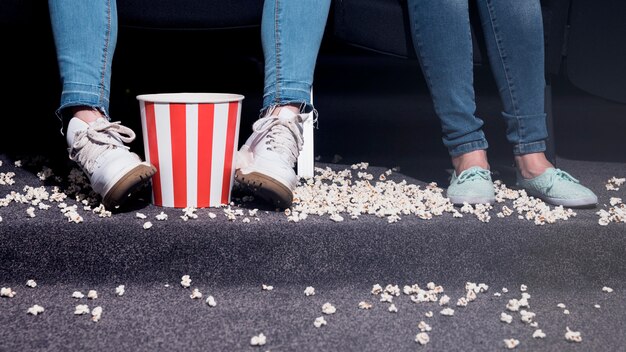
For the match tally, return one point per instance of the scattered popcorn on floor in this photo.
(365, 305)
(140, 215)
(526, 316)
(147, 225)
(423, 326)
(258, 340)
(616, 213)
(613, 183)
(189, 213)
(77, 294)
(513, 305)
(506, 318)
(561, 305)
(566, 312)
(211, 301)
(196, 294)
(596, 306)
(428, 314)
(385, 297)
(445, 299)
(328, 308)
(161, 216)
(96, 314)
(309, 291)
(267, 287)
(185, 281)
(539, 334)
(36, 309)
(511, 343)
(393, 290)
(120, 290)
(31, 283)
(319, 322)
(573, 336)
(7, 292)
(447, 312)
(523, 288)
(505, 290)
(392, 308)
(422, 338)
(92, 294)
(607, 289)
(81, 309)
(377, 289)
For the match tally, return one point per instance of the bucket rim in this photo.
(190, 98)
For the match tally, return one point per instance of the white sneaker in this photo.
(265, 164)
(114, 172)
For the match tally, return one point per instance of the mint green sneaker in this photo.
(557, 187)
(473, 186)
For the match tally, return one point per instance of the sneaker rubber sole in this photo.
(583, 202)
(125, 187)
(267, 188)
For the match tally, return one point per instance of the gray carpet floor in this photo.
(567, 262)
(385, 103)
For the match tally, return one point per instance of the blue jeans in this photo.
(85, 34)
(514, 39)
(291, 33)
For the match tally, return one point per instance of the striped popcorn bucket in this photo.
(191, 138)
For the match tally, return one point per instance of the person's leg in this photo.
(515, 45)
(291, 34)
(85, 34)
(443, 42)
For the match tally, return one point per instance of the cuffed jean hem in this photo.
(84, 95)
(527, 148)
(304, 107)
(287, 92)
(468, 147)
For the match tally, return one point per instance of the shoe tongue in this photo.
(99, 120)
(74, 126)
(286, 113)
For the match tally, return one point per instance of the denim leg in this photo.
(443, 42)
(85, 34)
(291, 33)
(514, 37)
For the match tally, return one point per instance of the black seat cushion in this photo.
(383, 26)
(157, 14)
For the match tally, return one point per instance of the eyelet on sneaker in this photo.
(558, 187)
(472, 186)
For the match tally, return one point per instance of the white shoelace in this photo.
(474, 174)
(99, 137)
(282, 135)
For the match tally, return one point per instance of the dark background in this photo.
(372, 106)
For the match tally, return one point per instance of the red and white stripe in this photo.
(192, 146)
